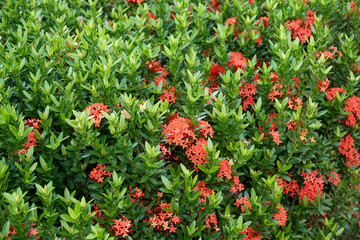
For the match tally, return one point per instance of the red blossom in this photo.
(225, 169)
(205, 130)
(121, 227)
(237, 60)
(276, 136)
(212, 219)
(137, 195)
(241, 202)
(179, 132)
(135, 1)
(334, 180)
(161, 219)
(251, 234)
(331, 92)
(281, 216)
(247, 92)
(214, 6)
(238, 187)
(264, 20)
(169, 95)
(323, 85)
(98, 173)
(197, 154)
(215, 71)
(353, 105)
(312, 187)
(301, 28)
(347, 149)
(205, 192)
(95, 112)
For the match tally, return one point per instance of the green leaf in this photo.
(166, 182)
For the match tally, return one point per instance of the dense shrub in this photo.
(156, 119)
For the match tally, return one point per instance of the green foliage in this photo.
(154, 119)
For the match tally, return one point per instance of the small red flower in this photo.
(331, 92)
(243, 201)
(98, 174)
(121, 227)
(276, 136)
(135, 1)
(225, 169)
(95, 112)
(238, 186)
(281, 216)
(334, 180)
(212, 219)
(264, 20)
(178, 131)
(197, 154)
(237, 60)
(205, 130)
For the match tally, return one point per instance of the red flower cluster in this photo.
(328, 54)
(243, 201)
(292, 125)
(354, 10)
(11, 232)
(214, 6)
(237, 60)
(179, 132)
(347, 149)
(35, 124)
(98, 174)
(150, 16)
(197, 154)
(216, 70)
(137, 195)
(334, 180)
(205, 130)
(301, 28)
(231, 21)
(238, 187)
(313, 185)
(251, 234)
(247, 93)
(264, 20)
(95, 112)
(135, 1)
(155, 66)
(276, 91)
(205, 192)
(281, 216)
(352, 105)
(331, 92)
(295, 102)
(121, 227)
(323, 85)
(31, 233)
(169, 95)
(163, 220)
(212, 219)
(225, 169)
(276, 137)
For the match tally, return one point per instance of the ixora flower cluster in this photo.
(184, 119)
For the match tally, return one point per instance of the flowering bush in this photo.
(154, 119)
